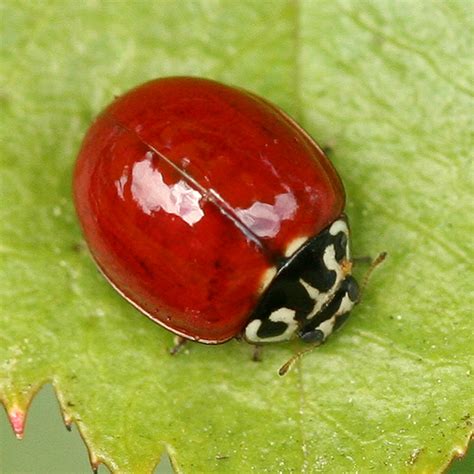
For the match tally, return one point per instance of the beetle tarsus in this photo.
(179, 343)
(257, 353)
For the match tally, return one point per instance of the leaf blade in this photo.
(62, 323)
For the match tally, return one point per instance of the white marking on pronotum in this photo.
(327, 326)
(329, 258)
(264, 220)
(320, 299)
(284, 315)
(251, 330)
(267, 278)
(294, 245)
(339, 226)
(152, 193)
(345, 306)
(313, 293)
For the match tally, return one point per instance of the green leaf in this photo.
(388, 86)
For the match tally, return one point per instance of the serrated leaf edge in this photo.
(17, 405)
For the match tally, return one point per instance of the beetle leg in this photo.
(257, 353)
(179, 343)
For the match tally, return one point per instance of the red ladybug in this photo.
(215, 214)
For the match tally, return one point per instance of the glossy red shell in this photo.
(153, 176)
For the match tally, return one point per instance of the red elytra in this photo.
(190, 192)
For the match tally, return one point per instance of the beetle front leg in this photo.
(257, 353)
(179, 343)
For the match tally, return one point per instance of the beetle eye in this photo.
(314, 336)
(352, 289)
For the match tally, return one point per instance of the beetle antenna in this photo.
(285, 368)
(375, 263)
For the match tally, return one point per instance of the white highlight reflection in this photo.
(120, 183)
(152, 193)
(265, 220)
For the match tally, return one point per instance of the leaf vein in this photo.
(401, 45)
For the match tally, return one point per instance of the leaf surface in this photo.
(387, 86)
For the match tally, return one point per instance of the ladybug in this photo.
(217, 216)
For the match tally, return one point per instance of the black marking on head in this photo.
(319, 276)
(287, 291)
(340, 245)
(348, 287)
(270, 328)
